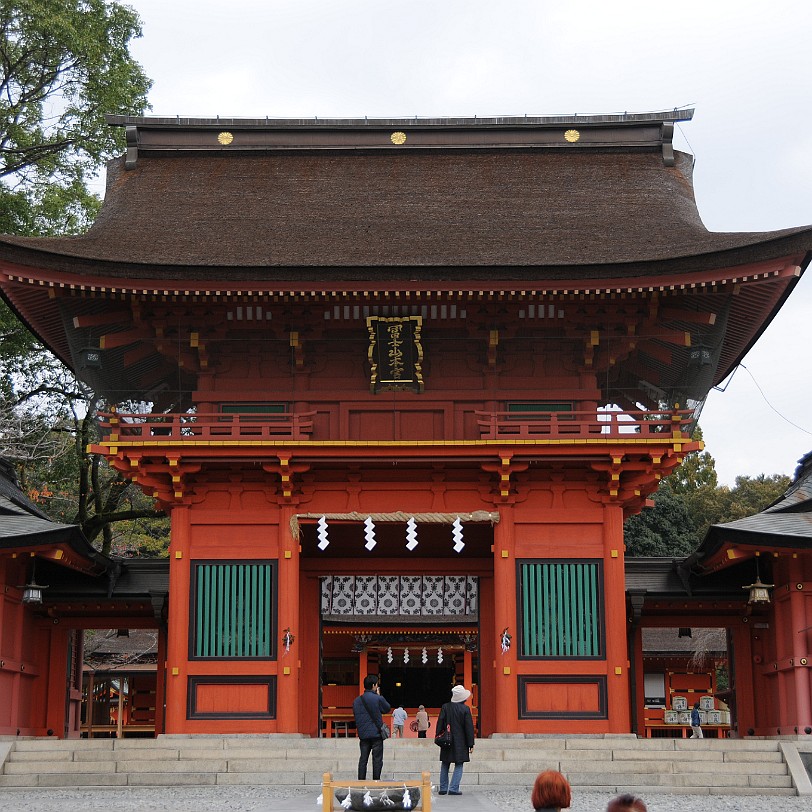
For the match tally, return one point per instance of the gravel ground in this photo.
(596, 802)
(295, 799)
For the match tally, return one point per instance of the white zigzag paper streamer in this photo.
(369, 533)
(456, 533)
(424, 656)
(389, 656)
(368, 799)
(407, 800)
(439, 655)
(322, 533)
(405, 655)
(411, 534)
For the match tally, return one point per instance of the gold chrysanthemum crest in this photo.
(572, 136)
(225, 138)
(398, 138)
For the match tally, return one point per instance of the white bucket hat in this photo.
(459, 693)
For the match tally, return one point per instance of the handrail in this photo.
(500, 425)
(201, 426)
(530, 425)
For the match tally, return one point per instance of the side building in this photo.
(405, 381)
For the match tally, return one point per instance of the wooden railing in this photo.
(591, 424)
(196, 426)
(376, 790)
(117, 426)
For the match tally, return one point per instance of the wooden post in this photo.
(327, 792)
(504, 593)
(120, 718)
(425, 791)
(617, 678)
(177, 649)
(800, 675)
(288, 664)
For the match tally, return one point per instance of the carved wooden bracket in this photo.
(505, 469)
(287, 471)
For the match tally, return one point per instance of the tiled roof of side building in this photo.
(787, 523)
(481, 203)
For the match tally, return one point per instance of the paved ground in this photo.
(290, 799)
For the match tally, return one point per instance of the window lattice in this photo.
(233, 610)
(561, 609)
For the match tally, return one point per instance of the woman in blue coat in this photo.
(457, 714)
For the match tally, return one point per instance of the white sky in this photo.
(743, 65)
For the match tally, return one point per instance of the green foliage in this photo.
(662, 530)
(65, 64)
(691, 500)
(698, 470)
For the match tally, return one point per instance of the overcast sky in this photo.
(743, 65)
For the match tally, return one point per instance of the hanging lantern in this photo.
(700, 356)
(32, 591)
(759, 592)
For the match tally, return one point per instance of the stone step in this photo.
(616, 763)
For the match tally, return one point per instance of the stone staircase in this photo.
(606, 764)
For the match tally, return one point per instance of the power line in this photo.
(785, 419)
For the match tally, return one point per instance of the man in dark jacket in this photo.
(368, 710)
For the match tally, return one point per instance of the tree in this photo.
(47, 421)
(665, 529)
(689, 501)
(698, 470)
(751, 495)
(65, 64)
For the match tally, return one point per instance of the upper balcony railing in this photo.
(536, 425)
(195, 426)
(591, 424)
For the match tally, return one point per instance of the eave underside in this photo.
(724, 311)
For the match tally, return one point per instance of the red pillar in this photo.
(177, 670)
(743, 666)
(505, 698)
(363, 665)
(55, 665)
(638, 675)
(288, 663)
(617, 657)
(160, 683)
(800, 652)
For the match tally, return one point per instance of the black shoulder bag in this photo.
(443, 737)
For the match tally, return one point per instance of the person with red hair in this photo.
(626, 803)
(551, 792)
